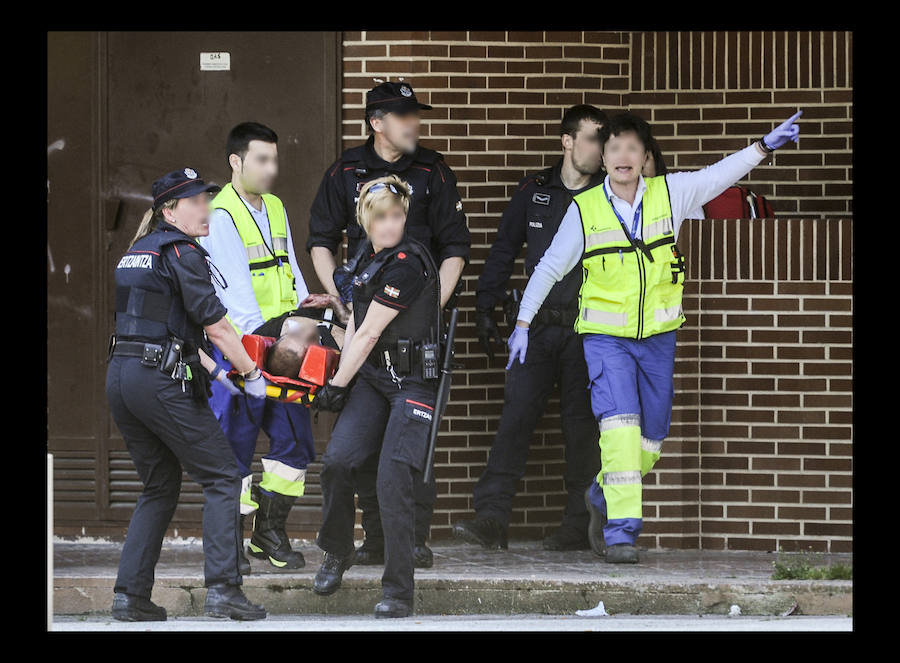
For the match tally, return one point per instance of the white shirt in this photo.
(227, 252)
(687, 192)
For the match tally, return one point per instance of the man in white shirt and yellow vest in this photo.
(623, 233)
(250, 243)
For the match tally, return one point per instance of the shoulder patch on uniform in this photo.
(391, 292)
(459, 206)
(541, 198)
(401, 255)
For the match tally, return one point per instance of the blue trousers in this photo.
(288, 426)
(631, 397)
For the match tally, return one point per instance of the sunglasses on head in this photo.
(382, 185)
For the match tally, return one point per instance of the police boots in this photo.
(131, 608)
(229, 601)
(269, 540)
(243, 562)
(486, 532)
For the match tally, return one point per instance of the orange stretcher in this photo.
(319, 365)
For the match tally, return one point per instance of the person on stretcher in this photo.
(295, 333)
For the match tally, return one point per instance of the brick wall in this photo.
(759, 452)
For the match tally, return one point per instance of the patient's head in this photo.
(285, 356)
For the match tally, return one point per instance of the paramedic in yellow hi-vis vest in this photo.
(250, 243)
(623, 233)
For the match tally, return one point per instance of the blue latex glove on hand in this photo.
(784, 132)
(223, 379)
(518, 345)
(255, 388)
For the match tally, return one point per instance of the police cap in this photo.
(393, 97)
(182, 183)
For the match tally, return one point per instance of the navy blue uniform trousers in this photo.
(393, 423)
(555, 356)
(164, 430)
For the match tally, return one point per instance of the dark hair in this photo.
(240, 136)
(626, 121)
(284, 360)
(573, 116)
(658, 159)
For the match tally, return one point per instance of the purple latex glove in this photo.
(219, 373)
(518, 345)
(784, 132)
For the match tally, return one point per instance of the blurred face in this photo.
(400, 131)
(190, 215)
(386, 227)
(258, 169)
(583, 149)
(624, 157)
(302, 328)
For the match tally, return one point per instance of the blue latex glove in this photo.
(784, 132)
(219, 373)
(255, 388)
(518, 345)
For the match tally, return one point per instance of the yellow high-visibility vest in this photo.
(629, 288)
(270, 270)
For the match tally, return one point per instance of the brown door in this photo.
(151, 108)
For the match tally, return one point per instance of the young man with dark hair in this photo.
(250, 242)
(623, 233)
(556, 356)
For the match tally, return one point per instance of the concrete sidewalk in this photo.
(467, 580)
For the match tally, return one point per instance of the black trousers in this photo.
(165, 429)
(555, 356)
(391, 423)
(424, 495)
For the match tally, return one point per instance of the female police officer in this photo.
(157, 393)
(388, 410)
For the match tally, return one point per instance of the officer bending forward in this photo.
(158, 390)
(388, 409)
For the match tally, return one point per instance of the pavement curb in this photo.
(292, 594)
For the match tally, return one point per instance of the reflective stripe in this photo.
(279, 244)
(257, 251)
(604, 317)
(619, 421)
(619, 478)
(283, 479)
(663, 226)
(248, 506)
(667, 314)
(653, 446)
(605, 237)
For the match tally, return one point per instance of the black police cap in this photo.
(393, 97)
(182, 183)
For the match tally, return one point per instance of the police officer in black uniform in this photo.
(157, 390)
(555, 354)
(435, 219)
(390, 347)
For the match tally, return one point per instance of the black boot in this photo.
(393, 608)
(486, 532)
(567, 538)
(328, 579)
(269, 540)
(369, 554)
(622, 553)
(229, 601)
(597, 523)
(131, 608)
(243, 562)
(423, 558)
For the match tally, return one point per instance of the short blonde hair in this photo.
(370, 205)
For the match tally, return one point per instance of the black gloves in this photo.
(330, 398)
(486, 331)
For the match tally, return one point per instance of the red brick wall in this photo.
(759, 452)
